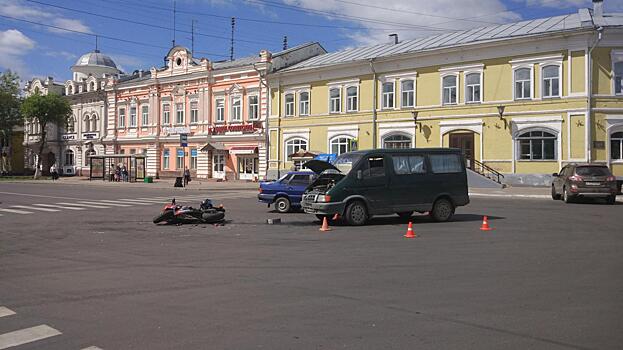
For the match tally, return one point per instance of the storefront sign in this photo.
(183, 140)
(90, 135)
(180, 153)
(176, 130)
(243, 128)
(68, 137)
(193, 152)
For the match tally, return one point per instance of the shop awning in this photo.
(213, 146)
(302, 155)
(243, 150)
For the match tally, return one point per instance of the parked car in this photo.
(358, 185)
(584, 180)
(286, 192)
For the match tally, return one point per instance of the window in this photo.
(194, 111)
(449, 89)
(340, 145)
(397, 141)
(220, 110)
(374, 167)
(179, 158)
(404, 165)
(445, 163)
(335, 100)
(121, 117)
(295, 145)
(289, 105)
(86, 124)
(166, 114)
(616, 146)
(94, 120)
(254, 108)
(523, 83)
(69, 128)
(69, 157)
(537, 145)
(179, 113)
(219, 162)
(618, 78)
(551, 81)
(472, 88)
(132, 116)
(388, 95)
(304, 103)
(145, 114)
(300, 180)
(236, 109)
(351, 99)
(407, 90)
(193, 158)
(166, 156)
(89, 153)
(132, 150)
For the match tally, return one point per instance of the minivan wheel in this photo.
(443, 210)
(555, 196)
(611, 199)
(282, 204)
(566, 197)
(356, 213)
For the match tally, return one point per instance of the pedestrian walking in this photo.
(54, 172)
(117, 173)
(186, 176)
(124, 173)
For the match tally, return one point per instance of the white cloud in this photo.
(64, 54)
(127, 63)
(559, 3)
(14, 45)
(18, 9)
(410, 18)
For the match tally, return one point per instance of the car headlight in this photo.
(323, 199)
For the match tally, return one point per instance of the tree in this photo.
(45, 110)
(10, 103)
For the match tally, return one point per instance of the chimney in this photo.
(393, 38)
(598, 8)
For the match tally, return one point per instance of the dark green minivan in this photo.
(358, 185)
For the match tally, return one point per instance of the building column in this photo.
(153, 160)
(203, 164)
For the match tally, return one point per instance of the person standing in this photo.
(186, 176)
(54, 172)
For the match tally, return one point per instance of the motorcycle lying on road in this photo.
(173, 213)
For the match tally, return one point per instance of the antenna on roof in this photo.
(285, 42)
(231, 49)
(174, 13)
(96, 44)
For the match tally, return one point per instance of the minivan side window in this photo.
(404, 165)
(445, 163)
(374, 167)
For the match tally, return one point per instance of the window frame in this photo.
(620, 141)
(543, 66)
(293, 139)
(235, 110)
(397, 134)
(192, 164)
(616, 58)
(133, 111)
(350, 99)
(71, 153)
(388, 96)
(253, 108)
(166, 114)
(94, 122)
(289, 108)
(531, 82)
(166, 159)
(402, 93)
(339, 144)
(180, 117)
(531, 139)
(466, 86)
(219, 110)
(179, 161)
(194, 111)
(304, 111)
(338, 99)
(121, 117)
(220, 163)
(144, 115)
(455, 87)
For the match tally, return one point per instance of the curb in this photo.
(520, 196)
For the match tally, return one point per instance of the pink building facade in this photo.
(220, 107)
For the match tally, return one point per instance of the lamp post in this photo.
(414, 114)
(501, 114)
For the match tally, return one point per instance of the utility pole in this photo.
(174, 15)
(285, 42)
(231, 49)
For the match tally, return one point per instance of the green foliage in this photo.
(9, 83)
(46, 109)
(10, 102)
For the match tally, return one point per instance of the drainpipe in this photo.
(374, 102)
(270, 102)
(589, 126)
(278, 128)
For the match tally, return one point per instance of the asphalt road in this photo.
(547, 277)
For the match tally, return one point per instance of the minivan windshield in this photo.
(345, 162)
(592, 171)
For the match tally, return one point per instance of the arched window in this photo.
(537, 145)
(335, 100)
(86, 123)
(341, 144)
(69, 157)
(551, 81)
(397, 141)
(69, 128)
(89, 152)
(295, 145)
(93, 86)
(523, 83)
(616, 146)
(94, 120)
(407, 91)
(304, 103)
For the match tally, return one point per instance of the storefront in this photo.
(232, 161)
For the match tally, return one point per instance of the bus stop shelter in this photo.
(104, 166)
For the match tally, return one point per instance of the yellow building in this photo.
(515, 97)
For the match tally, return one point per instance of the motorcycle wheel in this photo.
(164, 216)
(212, 217)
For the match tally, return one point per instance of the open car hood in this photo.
(318, 166)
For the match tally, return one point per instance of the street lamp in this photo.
(501, 114)
(414, 114)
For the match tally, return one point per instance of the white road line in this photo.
(84, 205)
(27, 335)
(16, 211)
(144, 201)
(33, 208)
(56, 206)
(92, 348)
(5, 311)
(116, 202)
(109, 204)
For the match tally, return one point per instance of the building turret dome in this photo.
(95, 58)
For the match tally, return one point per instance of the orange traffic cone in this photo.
(410, 233)
(485, 224)
(325, 225)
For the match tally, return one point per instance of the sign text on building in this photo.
(244, 128)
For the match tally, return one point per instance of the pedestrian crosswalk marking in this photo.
(34, 208)
(27, 335)
(84, 205)
(5, 311)
(92, 348)
(115, 203)
(108, 204)
(56, 206)
(135, 202)
(16, 211)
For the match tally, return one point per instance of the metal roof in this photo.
(499, 32)
(95, 58)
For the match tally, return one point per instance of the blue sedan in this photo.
(286, 193)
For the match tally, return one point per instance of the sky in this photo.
(45, 37)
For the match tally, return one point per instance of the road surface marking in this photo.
(109, 204)
(144, 201)
(92, 348)
(56, 206)
(84, 205)
(39, 195)
(33, 208)
(4, 311)
(26, 335)
(16, 211)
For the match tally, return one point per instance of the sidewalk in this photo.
(517, 192)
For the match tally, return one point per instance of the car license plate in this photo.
(593, 183)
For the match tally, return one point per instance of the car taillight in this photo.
(260, 189)
(611, 179)
(575, 178)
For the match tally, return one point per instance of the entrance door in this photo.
(247, 167)
(464, 141)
